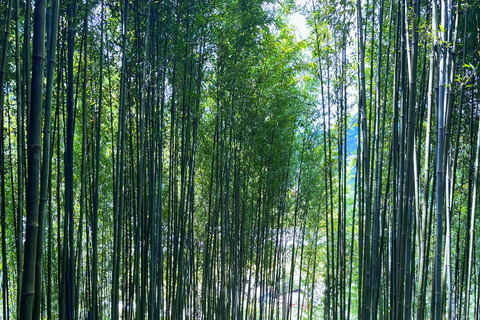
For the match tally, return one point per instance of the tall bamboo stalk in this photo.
(34, 139)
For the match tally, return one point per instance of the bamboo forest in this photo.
(239, 159)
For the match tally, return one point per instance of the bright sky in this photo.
(299, 22)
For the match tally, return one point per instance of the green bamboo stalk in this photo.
(47, 154)
(118, 198)
(34, 138)
(20, 151)
(3, 158)
(95, 309)
(471, 244)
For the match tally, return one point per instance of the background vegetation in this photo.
(199, 160)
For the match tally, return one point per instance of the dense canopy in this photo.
(219, 160)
